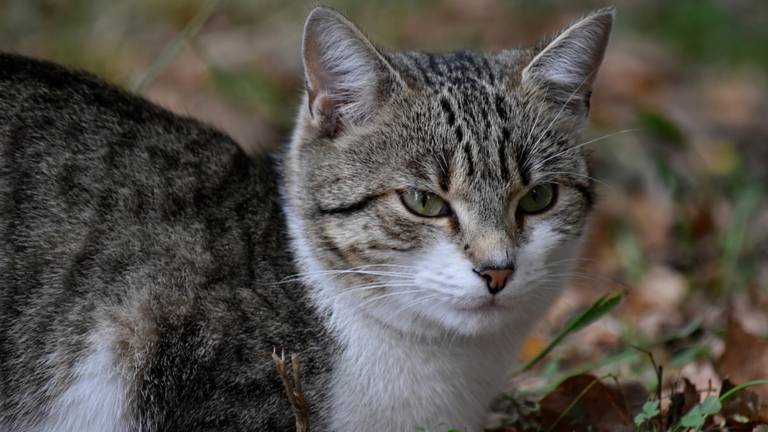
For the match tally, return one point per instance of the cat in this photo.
(424, 214)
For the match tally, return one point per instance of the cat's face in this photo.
(447, 192)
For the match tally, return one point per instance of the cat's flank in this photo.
(423, 216)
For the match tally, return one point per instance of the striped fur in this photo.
(149, 268)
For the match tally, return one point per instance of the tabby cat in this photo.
(422, 217)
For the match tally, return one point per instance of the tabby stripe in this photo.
(329, 245)
(349, 208)
(448, 111)
(421, 69)
(469, 60)
(459, 134)
(588, 192)
(444, 173)
(523, 168)
(386, 246)
(469, 112)
(487, 66)
(433, 65)
(470, 162)
(501, 110)
(454, 226)
(503, 142)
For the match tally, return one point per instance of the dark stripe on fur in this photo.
(424, 74)
(489, 70)
(503, 142)
(348, 208)
(501, 110)
(444, 173)
(523, 168)
(459, 134)
(433, 64)
(588, 192)
(448, 111)
(470, 161)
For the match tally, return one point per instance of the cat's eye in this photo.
(539, 199)
(424, 203)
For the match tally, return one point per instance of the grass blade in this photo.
(602, 306)
(727, 395)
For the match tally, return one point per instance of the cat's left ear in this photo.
(347, 78)
(566, 68)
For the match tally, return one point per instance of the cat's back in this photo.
(89, 172)
(83, 146)
(138, 255)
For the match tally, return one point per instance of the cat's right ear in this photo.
(567, 66)
(346, 76)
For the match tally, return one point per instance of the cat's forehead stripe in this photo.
(441, 71)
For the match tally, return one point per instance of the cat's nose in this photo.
(495, 277)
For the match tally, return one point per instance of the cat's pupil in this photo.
(535, 194)
(423, 198)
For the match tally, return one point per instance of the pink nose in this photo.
(495, 278)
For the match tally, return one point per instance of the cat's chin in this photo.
(478, 320)
(474, 315)
(443, 318)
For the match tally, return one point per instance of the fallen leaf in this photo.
(582, 403)
(681, 402)
(745, 357)
(533, 345)
(744, 409)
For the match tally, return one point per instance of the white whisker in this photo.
(396, 293)
(415, 303)
(305, 275)
(575, 174)
(559, 112)
(372, 286)
(578, 146)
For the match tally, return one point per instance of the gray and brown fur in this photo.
(123, 222)
(119, 217)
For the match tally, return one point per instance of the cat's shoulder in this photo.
(46, 82)
(33, 85)
(67, 101)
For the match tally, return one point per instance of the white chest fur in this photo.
(95, 399)
(386, 381)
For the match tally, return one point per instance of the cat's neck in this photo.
(436, 386)
(445, 378)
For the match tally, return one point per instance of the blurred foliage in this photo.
(709, 31)
(682, 222)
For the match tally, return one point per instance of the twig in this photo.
(171, 50)
(293, 389)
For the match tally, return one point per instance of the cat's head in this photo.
(441, 192)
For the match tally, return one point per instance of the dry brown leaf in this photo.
(583, 403)
(681, 402)
(745, 357)
(532, 346)
(743, 410)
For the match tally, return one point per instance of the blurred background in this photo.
(681, 104)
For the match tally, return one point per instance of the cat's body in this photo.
(148, 268)
(145, 247)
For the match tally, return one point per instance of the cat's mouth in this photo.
(481, 304)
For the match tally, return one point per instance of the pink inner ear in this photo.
(328, 117)
(312, 65)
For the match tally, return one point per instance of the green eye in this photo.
(424, 203)
(538, 199)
